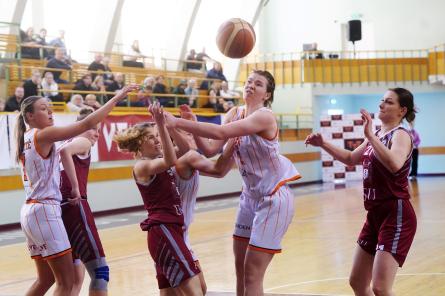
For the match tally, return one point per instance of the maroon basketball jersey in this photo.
(82, 166)
(379, 184)
(161, 200)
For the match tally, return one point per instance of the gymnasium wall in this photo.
(386, 25)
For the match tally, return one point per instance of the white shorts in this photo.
(263, 222)
(44, 230)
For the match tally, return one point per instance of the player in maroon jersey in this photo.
(155, 179)
(76, 212)
(390, 225)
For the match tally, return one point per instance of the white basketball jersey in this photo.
(40, 176)
(260, 163)
(188, 189)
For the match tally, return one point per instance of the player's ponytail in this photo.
(27, 106)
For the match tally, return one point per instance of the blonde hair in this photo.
(131, 139)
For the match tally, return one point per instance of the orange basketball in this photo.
(235, 38)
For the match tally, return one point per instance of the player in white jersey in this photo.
(266, 205)
(187, 171)
(40, 216)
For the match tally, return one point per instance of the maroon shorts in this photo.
(173, 260)
(82, 231)
(389, 227)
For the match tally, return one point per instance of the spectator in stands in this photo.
(91, 101)
(41, 40)
(190, 64)
(192, 92)
(59, 41)
(215, 73)
(161, 88)
(29, 45)
(76, 103)
(32, 86)
(117, 84)
(227, 94)
(13, 103)
(108, 75)
(58, 62)
(84, 84)
(96, 65)
(149, 81)
(202, 59)
(50, 89)
(180, 90)
(134, 56)
(2, 105)
(214, 103)
(144, 97)
(98, 84)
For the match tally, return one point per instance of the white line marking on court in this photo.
(346, 278)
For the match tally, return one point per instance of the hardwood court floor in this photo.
(316, 258)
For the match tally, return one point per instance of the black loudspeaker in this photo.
(355, 30)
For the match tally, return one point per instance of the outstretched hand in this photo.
(157, 112)
(367, 125)
(186, 113)
(122, 94)
(314, 140)
(170, 120)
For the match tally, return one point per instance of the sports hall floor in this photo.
(317, 249)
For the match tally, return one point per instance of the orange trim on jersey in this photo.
(278, 216)
(281, 183)
(58, 254)
(264, 250)
(38, 149)
(34, 201)
(37, 257)
(267, 218)
(49, 224)
(241, 238)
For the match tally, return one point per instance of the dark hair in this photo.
(406, 99)
(84, 112)
(270, 85)
(27, 106)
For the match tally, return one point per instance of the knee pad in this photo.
(99, 274)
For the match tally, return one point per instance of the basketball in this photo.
(235, 38)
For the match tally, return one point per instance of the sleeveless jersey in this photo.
(188, 190)
(40, 176)
(82, 166)
(379, 184)
(161, 200)
(262, 167)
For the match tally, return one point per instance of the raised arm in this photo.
(340, 154)
(79, 146)
(255, 123)
(47, 136)
(393, 158)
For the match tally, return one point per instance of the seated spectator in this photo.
(98, 84)
(58, 62)
(59, 42)
(108, 75)
(13, 103)
(215, 73)
(96, 65)
(118, 84)
(134, 56)
(189, 63)
(29, 47)
(2, 105)
(32, 86)
(149, 81)
(202, 58)
(75, 104)
(180, 90)
(192, 92)
(214, 103)
(84, 84)
(227, 94)
(91, 101)
(144, 97)
(41, 40)
(161, 88)
(50, 88)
